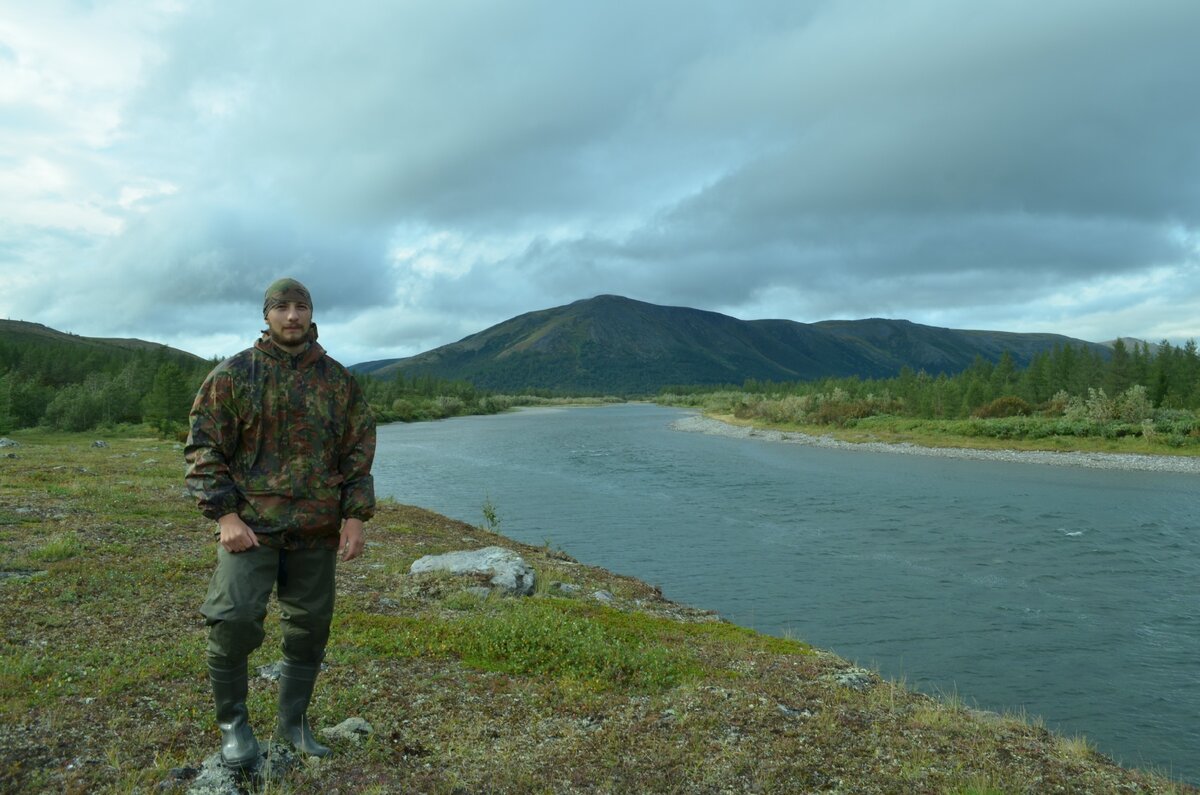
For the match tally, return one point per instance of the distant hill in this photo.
(19, 332)
(610, 344)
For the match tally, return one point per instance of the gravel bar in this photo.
(1151, 463)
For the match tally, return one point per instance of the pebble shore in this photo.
(1151, 463)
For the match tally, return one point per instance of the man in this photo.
(279, 455)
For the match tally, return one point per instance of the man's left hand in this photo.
(352, 542)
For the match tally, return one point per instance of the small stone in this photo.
(99, 443)
(350, 729)
(270, 671)
(794, 713)
(183, 773)
(604, 597)
(854, 678)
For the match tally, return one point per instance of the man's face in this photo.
(288, 325)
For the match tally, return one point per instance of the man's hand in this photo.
(236, 535)
(352, 542)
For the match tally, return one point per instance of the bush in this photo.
(1134, 404)
(1006, 406)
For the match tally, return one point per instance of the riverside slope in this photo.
(699, 423)
(603, 687)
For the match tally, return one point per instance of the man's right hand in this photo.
(236, 535)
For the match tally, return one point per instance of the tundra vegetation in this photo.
(104, 559)
(1138, 401)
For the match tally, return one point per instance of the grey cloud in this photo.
(819, 159)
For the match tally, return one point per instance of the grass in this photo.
(102, 685)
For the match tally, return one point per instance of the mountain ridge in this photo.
(28, 331)
(619, 345)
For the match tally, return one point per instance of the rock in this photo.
(216, 779)
(854, 678)
(350, 729)
(9, 443)
(509, 570)
(99, 443)
(794, 713)
(604, 597)
(270, 670)
(570, 589)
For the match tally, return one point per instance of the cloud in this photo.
(429, 170)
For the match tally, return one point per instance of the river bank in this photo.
(597, 685)
(700, 423)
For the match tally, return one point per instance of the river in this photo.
(1072, 594)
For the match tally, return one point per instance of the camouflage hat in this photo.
(283, 290)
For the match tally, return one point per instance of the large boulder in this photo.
(509, 570)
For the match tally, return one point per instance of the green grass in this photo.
(548, 638)
(57, 548)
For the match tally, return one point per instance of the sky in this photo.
(430, 169)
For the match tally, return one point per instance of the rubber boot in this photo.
(296, 682)
(239, 748)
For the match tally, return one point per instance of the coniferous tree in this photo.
(1120, 369)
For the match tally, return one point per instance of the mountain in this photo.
(24, 333)
(609, 344)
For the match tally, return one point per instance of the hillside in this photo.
(610, 344)
(20, 332)
(74, 383)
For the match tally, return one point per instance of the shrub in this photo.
(1134, 404)
(1006, 406)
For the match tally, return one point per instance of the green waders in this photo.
(235, 608)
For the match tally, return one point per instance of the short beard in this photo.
(275, 338)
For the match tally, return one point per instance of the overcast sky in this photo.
(430, 169)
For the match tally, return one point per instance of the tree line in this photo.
(423, 396)
(73, 387)
(1069, 390)
(78, 387)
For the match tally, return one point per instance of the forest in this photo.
(72, 386)
(76, 387)
(1140, 390)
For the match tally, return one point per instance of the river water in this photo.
(1071, 594)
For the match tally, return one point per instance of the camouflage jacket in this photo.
(284, 441)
